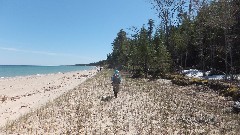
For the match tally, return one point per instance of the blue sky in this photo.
(59, 32)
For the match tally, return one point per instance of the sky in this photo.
(65, 32)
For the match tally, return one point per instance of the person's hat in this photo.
(116, 71)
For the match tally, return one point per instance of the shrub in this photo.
(167, 76)
(217, 85)
(138, 74)
(181, 80)
(224, 88)
(198, 81)
(233, 92)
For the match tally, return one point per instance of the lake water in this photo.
(25, 70)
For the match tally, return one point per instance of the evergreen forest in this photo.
(199, 34)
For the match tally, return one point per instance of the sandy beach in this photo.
(142, 107)
(19, 95)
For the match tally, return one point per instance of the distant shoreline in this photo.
(26, 70)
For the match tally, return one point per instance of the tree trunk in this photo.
(181, 60)
(186, 60)
(231, 63)
(146, 69)
(226, 52)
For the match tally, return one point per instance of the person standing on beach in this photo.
(116, 80)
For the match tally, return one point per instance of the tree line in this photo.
(202, 34)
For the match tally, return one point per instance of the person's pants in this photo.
(115, 89)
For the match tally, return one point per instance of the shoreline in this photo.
(37, 75)
(11, 71)
(21, 94)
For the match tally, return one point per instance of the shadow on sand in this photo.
(106, 98)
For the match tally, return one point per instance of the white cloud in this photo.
(8, 49)
(45, 53)
(27, 51)
(75, 57)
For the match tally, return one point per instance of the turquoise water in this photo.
(25, 70)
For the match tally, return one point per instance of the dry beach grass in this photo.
(142, 107)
